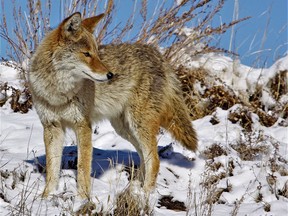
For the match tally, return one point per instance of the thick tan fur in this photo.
(75, 83)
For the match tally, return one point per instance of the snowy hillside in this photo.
(240, 169)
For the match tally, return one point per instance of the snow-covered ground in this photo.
(226, 183)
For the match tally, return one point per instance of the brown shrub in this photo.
(188, 78)
(215, 150)
(265, 119)
(202, 104)
(251, 147)
(278, 84)
(218, 96)
(241, 116)
(21, 100)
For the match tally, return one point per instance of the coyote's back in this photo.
(75, 83)
(156, 89)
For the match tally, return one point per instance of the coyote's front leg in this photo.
(84, 135)
(53, 139)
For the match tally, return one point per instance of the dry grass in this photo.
(202, 202)
(204, 101)
(279, 85)
(249, 152)
(218, 96)
(130, 204)
(19, 183)
(192, 97)
(132, 200)
(27, 191)
(251, 146)
(243, 117)
(20, 100)
(215, 150)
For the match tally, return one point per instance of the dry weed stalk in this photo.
(200, 203)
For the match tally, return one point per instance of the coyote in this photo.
(74, 83)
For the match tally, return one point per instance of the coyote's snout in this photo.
(67, 80)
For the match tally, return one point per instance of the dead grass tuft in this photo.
(192, 97)
(248, 152)
(277, 166)
(251, 146)
(243, 117)
(206, 97)
(189, 77)
(132, 171)
(203, 93)
(127, 203)
(132, 201)
(285, 112)
(20, 100)
(265, 119)
(267, 207)
(210, 184)
(259, 195)
(213, 179)
(215, 150)
(278, 84)
(218, 96)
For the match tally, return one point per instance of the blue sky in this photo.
(262, 39)
(259, 41)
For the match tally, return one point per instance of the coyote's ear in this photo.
(91, 22)
(71, 25)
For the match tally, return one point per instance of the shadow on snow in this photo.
(104, 160)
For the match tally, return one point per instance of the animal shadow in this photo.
(104, 160)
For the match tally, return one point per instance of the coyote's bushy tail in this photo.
(179, 125)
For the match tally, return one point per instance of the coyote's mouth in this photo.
(93, 78)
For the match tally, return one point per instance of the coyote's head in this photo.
(77, 50)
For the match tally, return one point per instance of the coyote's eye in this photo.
(87, 54)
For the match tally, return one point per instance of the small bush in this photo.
(251, 146)
(215, 150)
(127, 203)
(243, 117)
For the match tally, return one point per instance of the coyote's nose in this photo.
(110, 75)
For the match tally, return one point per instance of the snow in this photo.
(182, 173)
